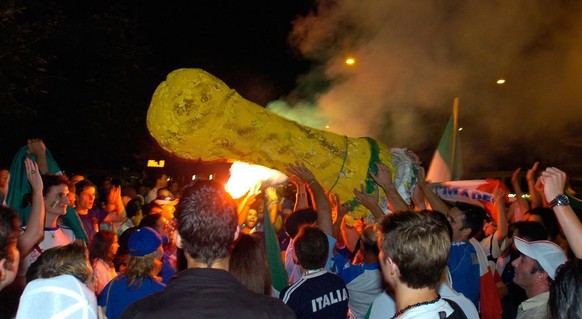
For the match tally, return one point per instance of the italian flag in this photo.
(447, 161)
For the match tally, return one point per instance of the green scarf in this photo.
(19, 187)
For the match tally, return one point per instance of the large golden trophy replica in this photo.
(194, 115)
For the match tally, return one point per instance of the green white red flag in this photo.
(447, 161)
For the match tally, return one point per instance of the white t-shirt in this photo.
(430, 311)
(151, 195)
(53, 237)
(384, 306)
(103, 274)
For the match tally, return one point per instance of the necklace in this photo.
(416, 305)
(51, 232)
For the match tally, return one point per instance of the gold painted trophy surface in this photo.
(194, 115)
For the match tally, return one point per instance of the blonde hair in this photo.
(419, 244)
(71, 259)
(139, 268)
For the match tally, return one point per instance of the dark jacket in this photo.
(207, 293)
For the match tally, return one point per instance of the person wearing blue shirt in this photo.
(138, 280)
(364, 281)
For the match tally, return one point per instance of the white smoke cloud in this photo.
(414, 57)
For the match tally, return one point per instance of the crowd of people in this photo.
(72, 249)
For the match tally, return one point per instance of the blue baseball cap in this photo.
(144, 241)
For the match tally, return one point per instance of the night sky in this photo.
(81, 75)
(91, 68)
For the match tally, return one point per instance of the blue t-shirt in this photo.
(168, 270)
(465, 272)
(317, 295)
(117, 296)
(348, 271)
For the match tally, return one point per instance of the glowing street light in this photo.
(350, 61)
(501, 81)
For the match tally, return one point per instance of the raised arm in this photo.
(501, 232)
(417, 197)
(117, 213)
(339, 211)
(301, 194)
(370, 201)
(319, 198)
(35, 226)
(384, 180)
(273, 208)
(245, 205)
(539, 187)
(521, 202)
(536, 201)
(554, 181)
(37, 148)
(436, 203)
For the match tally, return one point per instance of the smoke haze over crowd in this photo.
(413, 58)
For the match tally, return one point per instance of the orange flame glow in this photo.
(244, 176)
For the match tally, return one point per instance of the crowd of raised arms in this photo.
(72, 249)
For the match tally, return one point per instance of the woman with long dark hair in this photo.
(101, 253)
(248, 264)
